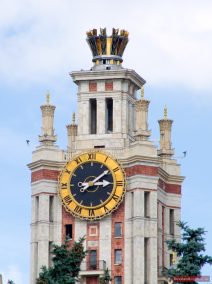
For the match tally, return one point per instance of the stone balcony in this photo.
(91, 269)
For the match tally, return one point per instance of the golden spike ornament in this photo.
(165, 112)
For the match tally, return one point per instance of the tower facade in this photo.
(112, 184)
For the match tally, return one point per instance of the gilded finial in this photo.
(48, 98)
(73, 118)
(165, 112)
(142, 92)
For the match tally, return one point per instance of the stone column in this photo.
(47, 137)
(141, 127)
(138, 237)
(101, 117)
(128, 274)
(117, 120)
(165, 136)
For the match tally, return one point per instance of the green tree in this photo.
(190, 252)
(105, 279)
(66, 264)
(10, 282)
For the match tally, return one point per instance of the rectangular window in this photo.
(50, 253)
(146, 260)
(93, 116)
(171, 221)
(93, 259)
(118, 230)
(51, 208)
(117, 280)
(36, 208)
(171, 259)
(118, 256)
(92, 87)
(147, 204)
(109, 115)
(69, 232)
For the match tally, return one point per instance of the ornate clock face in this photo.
(92, 185)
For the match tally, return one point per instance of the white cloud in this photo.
(170, 41)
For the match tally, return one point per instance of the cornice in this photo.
(42, 164)
(170, 178)
(108, 74)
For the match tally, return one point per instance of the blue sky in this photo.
(42, 41)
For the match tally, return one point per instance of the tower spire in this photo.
(48, 98)
(72, 133)
(47, 136)
(165, 125)
(142, 105)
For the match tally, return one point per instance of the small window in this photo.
(171, 259)
(109, 115)
(93, 259)
(50, 253)
(93, 116)
(118, 256)
(171, 221)
(117, 280)
(118, 230)
(99, 146)
(146, 204)
(37, 208)
(51, 208)
(69, 232)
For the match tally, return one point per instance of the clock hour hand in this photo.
(103, 183)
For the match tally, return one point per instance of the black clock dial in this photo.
(91, 184)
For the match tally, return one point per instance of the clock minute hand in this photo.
(95, 180)
(103, 174)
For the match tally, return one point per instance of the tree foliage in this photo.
(190, 252)
(66, 264)
(105, 279)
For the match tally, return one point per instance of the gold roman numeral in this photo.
(63, 185)
(119, 183)
(91, 212)
(106, 209)
(115, 197)
(78, 160)
(78, 209)
(67, 199)
(91, 156)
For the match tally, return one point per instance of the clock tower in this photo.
(111, 184)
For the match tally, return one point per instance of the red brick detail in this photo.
(68, 219)
(44, 174)
(109, 86)
(169, 188)
(141, 170)
(89, 238)
(117, 243)
(92, 87)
